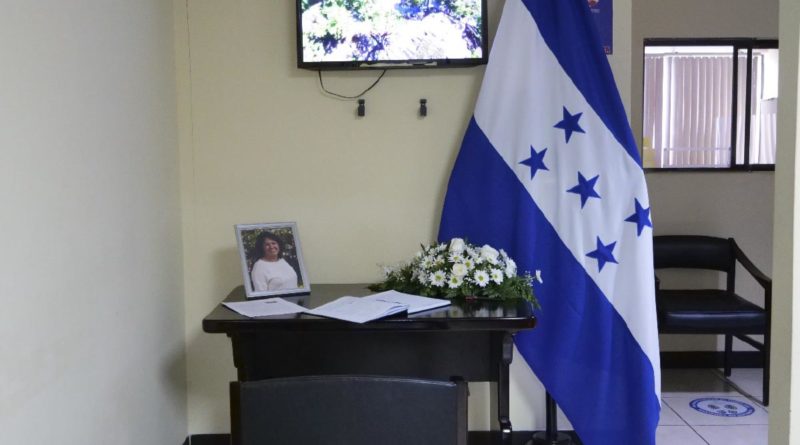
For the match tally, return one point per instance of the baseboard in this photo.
(709, 359)
(474, 438)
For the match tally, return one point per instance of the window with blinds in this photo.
(710, 104)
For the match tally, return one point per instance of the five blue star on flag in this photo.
(603, 254)
(641, 216)
(569, 123)
(585, 188)
(536, 161)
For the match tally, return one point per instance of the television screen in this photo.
(390, 33)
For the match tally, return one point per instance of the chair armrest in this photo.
(755, 272)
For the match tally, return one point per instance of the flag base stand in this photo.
(544, 438)
(551, 436)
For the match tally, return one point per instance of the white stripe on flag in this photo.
(517, 108)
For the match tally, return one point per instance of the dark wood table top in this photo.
(461, 315)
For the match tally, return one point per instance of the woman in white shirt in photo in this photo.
(271, 272)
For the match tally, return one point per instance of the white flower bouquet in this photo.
(459, 269)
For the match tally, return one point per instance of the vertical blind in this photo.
(688, 110)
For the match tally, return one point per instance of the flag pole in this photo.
(550, 436)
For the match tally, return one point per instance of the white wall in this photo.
(90, 265)
(723, 204)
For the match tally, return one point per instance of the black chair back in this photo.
(693, 252)
(696, 252)
(349, 410)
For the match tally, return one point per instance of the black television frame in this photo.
(392, 64)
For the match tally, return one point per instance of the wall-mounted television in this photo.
(353, 34)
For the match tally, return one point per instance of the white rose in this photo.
(489, 253)
(459, 270)
(456, 245)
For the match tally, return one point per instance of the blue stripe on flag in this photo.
(570, 33)
(581, 349)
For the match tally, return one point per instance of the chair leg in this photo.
(727, 356)
(765, 379)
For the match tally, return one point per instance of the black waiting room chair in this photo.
(349, 410)
(712, 311)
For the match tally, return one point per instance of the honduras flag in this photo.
(548, 170)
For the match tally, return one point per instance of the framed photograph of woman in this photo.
(272, 262)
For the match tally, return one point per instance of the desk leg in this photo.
(503, 389)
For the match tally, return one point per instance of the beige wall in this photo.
(267, 145)
(90, 264)
(722, 204)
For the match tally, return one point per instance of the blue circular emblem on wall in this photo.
(722, 407)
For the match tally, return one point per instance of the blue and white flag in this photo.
(549, 171)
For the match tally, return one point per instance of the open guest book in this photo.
(358, 310)
(415, 303)
(353, 309)
(375, 306)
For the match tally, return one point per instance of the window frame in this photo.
(738, 44)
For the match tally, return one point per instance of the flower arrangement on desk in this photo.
(459, 269)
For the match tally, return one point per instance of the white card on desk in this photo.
(266, 307)
(357, 309)
(415, 303)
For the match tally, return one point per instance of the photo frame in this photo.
(272, 261)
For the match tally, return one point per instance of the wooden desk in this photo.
(469, 339)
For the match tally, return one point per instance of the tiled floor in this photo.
(693, 401)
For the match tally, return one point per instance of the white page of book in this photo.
(415, 303)
(266, 307)
(357, 310)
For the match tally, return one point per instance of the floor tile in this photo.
(695, 395)
(677, 435)
(681, 406)
(668, 417)
(748, 380)
(733, 435)
(680, 424)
